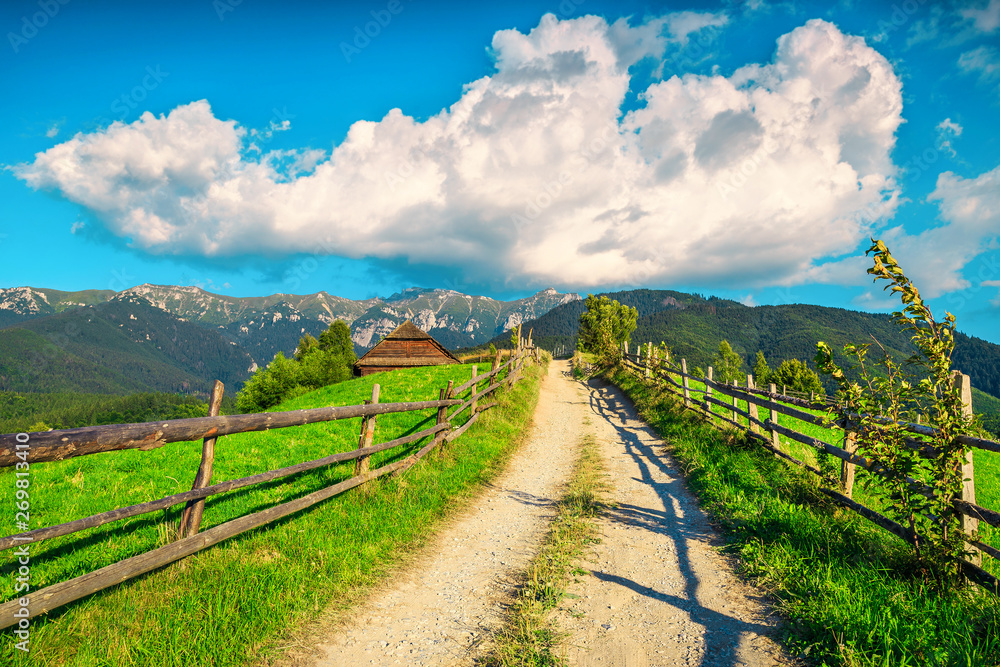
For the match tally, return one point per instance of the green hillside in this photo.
(237, 603)
(693, 326)
(22, 411)
(559, 325)
(117, 347)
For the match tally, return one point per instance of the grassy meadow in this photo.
(987, 464)
(236, 603)
(845, 587)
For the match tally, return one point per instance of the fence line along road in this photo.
(58, 445)
(664, 372)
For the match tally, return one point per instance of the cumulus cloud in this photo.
(970, 209)
(934, 259)
(533, 177)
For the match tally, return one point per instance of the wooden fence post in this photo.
(752, 407)
(475, 390)
(442, 415)
(684, 383)
(708, 390)
(775, 440)
(969, 524)
(367, 434)
(649, 354)
(626, 348)
(193, 511)
(846, 467)
(736, 402)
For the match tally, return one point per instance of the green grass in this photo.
(230, 605)
(528, 637)
(846, 587)
(986, 465)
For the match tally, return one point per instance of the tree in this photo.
(761, 371)
(269, 386)
(320, 368)
(605, 326)
(337, 339)
(795, 375)
(307, 344)
(726, 363)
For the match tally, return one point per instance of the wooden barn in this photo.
(406, 347)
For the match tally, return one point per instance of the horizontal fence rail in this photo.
(20, 449)
(675, 379)
(59, 445)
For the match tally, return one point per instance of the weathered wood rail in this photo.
(20, 449)
(767, 433)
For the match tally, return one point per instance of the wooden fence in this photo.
(767, 433)
(21, 449)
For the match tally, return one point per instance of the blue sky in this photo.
(747, 150)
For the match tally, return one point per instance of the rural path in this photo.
(441, 610)
(658, 592)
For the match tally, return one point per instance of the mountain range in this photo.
(181, 338)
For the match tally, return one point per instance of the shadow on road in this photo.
(722, 632)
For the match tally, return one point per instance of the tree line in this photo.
(316, 363)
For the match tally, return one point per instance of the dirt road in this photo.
(657, 592)
(454, 596)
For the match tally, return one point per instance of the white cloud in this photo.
(947, 130)
(984, 61)
(683, 24)
(985, 19)
(77, 226)
(530, 177)
(949, 25)
(995, 301)
(934, 259)
(52, 131)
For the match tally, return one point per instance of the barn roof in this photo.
(393, 350)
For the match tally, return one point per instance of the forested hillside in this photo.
(33, 411)
(693, 326)
(117, 347)
(559, 325)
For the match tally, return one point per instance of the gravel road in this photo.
(453, 597)
(657, 593)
